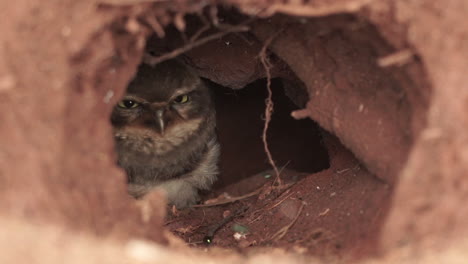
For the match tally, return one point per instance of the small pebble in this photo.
(226, 213)
(239, 236)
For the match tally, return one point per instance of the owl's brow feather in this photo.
(186, 89)
(134, 98)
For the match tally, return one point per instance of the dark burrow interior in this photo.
(294, 144)
(329, 204)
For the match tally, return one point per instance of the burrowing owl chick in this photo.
(164, 130)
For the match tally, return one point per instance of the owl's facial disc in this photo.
(165, 103)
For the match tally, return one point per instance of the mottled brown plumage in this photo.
(164, 129)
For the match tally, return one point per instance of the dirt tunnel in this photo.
(337, 200)
(357, 131)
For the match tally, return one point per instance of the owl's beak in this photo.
(160, 120)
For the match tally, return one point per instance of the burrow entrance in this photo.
(339, 169)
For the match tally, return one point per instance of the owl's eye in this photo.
(181, 99)
(128, 104)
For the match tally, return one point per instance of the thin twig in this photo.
(203, 29)
(208, 239)
(309, 10)
(170, 221)
(282, 232)
(347, 169)
(324, 212)
(156, 26)
(300, 114)
(398, 58)
(179, 22)
(245, 196)
(231, 200)
(269, 106)
(265, 208)
(213, 12)
(128, 2)
(317, 235)
(280, 201)
(148, 59)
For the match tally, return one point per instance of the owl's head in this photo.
(167, 100)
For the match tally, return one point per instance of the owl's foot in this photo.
(180, 193)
